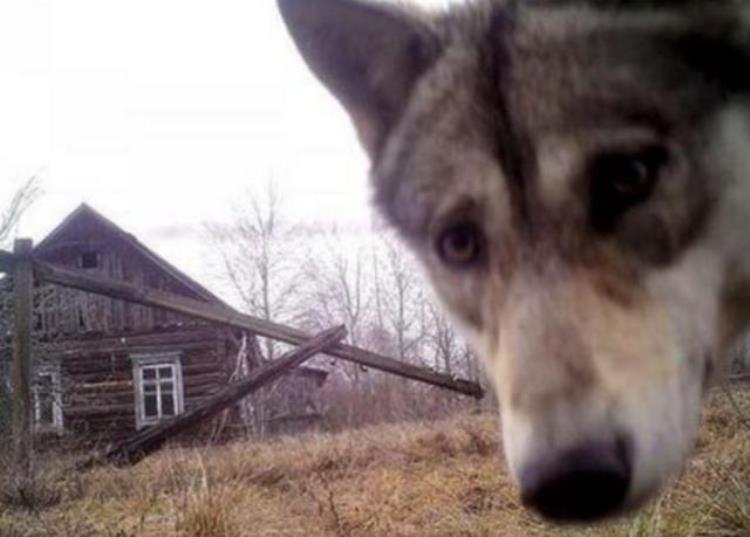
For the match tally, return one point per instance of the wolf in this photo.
(575, 178)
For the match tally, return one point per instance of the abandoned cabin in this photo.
(105, 368)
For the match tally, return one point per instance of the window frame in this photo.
(143, 362)
(96, 255)
(58, 423)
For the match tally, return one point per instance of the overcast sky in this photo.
(162, 113)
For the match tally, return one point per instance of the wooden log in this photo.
(80, 373)
(23, 286)
(203, 369)
(124, 424)
(196, 381)
(76, 400)
(7, 260)
(145, 442)
(106, 347)
(185, 335)
(224, 315)
(94, 367)
(113, 376)
(74, 395)
(116, 386)
(101, 409)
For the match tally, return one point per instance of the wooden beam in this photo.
(23, 285)
(224, 315)
(135, 343)
(88, 350)
(145, 442)
(7, 260)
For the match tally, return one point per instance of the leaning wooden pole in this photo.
(218, 313)
(145, 442)
(23, 286)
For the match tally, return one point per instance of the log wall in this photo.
(67, 312)
(93, 336)
(98, 385)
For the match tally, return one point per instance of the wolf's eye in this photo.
(629, 176)
(621, 180)
(460, 245)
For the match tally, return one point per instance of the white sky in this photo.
(161, 113)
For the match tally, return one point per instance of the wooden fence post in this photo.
(23, 284)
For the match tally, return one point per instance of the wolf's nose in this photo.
(582, 484)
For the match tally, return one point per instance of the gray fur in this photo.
(592, 317)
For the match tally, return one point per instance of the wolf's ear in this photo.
(369, 56)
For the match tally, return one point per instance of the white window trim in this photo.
(156, 384)
(57, 424)
(140, 361)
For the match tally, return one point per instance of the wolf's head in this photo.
(575, 180)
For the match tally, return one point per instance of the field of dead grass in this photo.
(432, 479)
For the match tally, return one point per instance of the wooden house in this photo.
(105, 368)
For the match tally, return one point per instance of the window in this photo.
(158, 384)
(90, 260)
(48, 410)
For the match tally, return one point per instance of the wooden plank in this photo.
(23, 286)
(126, 386)
(193, 383)
(94, 368)
(224, 315)
(112, 376)
(7, 260)
(89, 352)
(145, 442)
(203, 369)
(79, 400)
(156, 338)
(101, 409)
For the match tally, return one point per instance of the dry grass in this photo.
(436, 479)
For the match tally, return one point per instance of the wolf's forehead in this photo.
(570, 70)
(495, 97)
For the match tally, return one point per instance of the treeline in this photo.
(314, 277)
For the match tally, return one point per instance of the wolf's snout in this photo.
(583, 484)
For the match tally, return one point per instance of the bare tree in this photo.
(442, 339)
(260, 259)
(11, 215)
(368, 282)
(337, 291)
(261, 255)
(401, 297)
(336, 285)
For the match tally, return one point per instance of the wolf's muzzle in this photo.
(582, 484)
